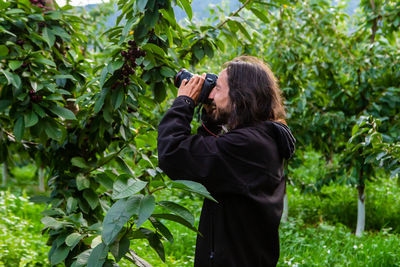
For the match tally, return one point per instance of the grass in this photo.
(319, 232)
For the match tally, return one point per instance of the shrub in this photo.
(21, 243)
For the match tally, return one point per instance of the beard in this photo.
(219, 115)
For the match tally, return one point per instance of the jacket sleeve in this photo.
(198, 158)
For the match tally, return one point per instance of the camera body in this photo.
(209, 83)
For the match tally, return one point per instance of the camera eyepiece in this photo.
(209, 83)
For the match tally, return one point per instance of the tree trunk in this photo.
(285, 212)
(41, 179)
(5, 174)
(360, 211)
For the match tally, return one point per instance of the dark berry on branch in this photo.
(131, 71)
(32, 92)
(24, 65)
(115, 85)
(123, 53)
(41, 24)
(20, 42)
(131, 43)
(143, 53)
(127, 80)
(125, 72)
(40, 5)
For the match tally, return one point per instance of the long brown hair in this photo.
(254, 92)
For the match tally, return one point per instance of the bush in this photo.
(21, 243)
(337, 204)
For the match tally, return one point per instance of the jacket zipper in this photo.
(212, 253)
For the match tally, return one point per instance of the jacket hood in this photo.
(284, 138)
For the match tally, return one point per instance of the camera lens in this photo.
(182, 74)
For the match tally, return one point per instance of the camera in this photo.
(209, 83)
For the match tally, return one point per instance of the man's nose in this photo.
(212, 94)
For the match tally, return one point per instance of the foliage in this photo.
(54, 100)
(88, 109)
(335, 246)
(336, 204)
(21, 243)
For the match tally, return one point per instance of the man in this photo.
(242, 168)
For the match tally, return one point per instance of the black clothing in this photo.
(243, 170)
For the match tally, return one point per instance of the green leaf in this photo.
(15, 64)
(119, 249)
(105, 181)
(30, 119)
(141, 4)
(79, 162)
(39, 110)
(98, 256)
(192, 187)
(130, 190)
(175, 218)
(19, 128)
(45, 62)
(103, 76)
(157, 245)
(167, 72)
(4, 104)
(124, 166)
(8, 76)
(116, 65)
(52, 223)
(198, 53)
(64, 76)
(117, 216)
(243, 30)
(91, 197)
(59, 255)
(117, 97)
(82, 258)
(188, 9)
(48, 36)
(3, 50)
(72, 204)
(154, 48)
(63, 112)
(53, 131)
(73, 239)
(178, 210)
(147, 205)
(162, 229)
(100, 101)
(260, 15)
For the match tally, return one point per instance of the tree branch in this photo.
(232, 15)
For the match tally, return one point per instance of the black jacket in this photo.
(243, 170)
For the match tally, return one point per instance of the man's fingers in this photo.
(183, 83)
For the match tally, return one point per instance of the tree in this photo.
(92, 124)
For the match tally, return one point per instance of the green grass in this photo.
(319, 231)
(21, 243)
(327, 245)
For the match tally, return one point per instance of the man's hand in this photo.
(192, 88)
